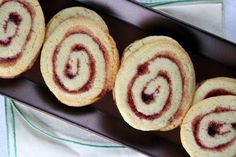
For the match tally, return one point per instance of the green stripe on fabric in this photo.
(164, 2)
(7, 127)
(56, 137)
(14, 130)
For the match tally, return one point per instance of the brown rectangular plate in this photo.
(127, 21)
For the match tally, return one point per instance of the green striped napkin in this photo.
(33, 133)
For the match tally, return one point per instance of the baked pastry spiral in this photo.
(22, 30)
(215, 87)
(79, 62)
(209, 128)
(155, 84)
(67, 13)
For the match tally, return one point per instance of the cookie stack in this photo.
(209, 128)
(21, 36)
(155, 84)
(155, 87)
(79, 59)
(215, 87)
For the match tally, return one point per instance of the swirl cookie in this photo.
(215, 87)
(209, 128)
(155, 84)
(74, 12)
(148, 40)
(22, 30)
(79, 62)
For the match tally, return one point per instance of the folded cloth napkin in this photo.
(229, 8)
(207, 16)
(3, 133)
(31, 133)
(214, 16)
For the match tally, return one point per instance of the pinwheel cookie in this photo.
(155, 84)
(215, 87)
(74, 12)
(209, 128)
(79, 62)
(22, 30)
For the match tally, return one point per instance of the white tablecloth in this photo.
(31, 133)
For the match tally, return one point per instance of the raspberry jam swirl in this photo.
(215, 130)
(217, 92)
(76, 61)
(157, 88)
(16, 22)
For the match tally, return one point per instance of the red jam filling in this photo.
(78, 48)
(148, 98)
(142, 69)
(70, 75)
(6, 42)
(68, 72)
(15, 18)
(234, 125)
(217, 92)
(214, 128)
(68, 69)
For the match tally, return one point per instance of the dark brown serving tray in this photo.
(127, 21)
